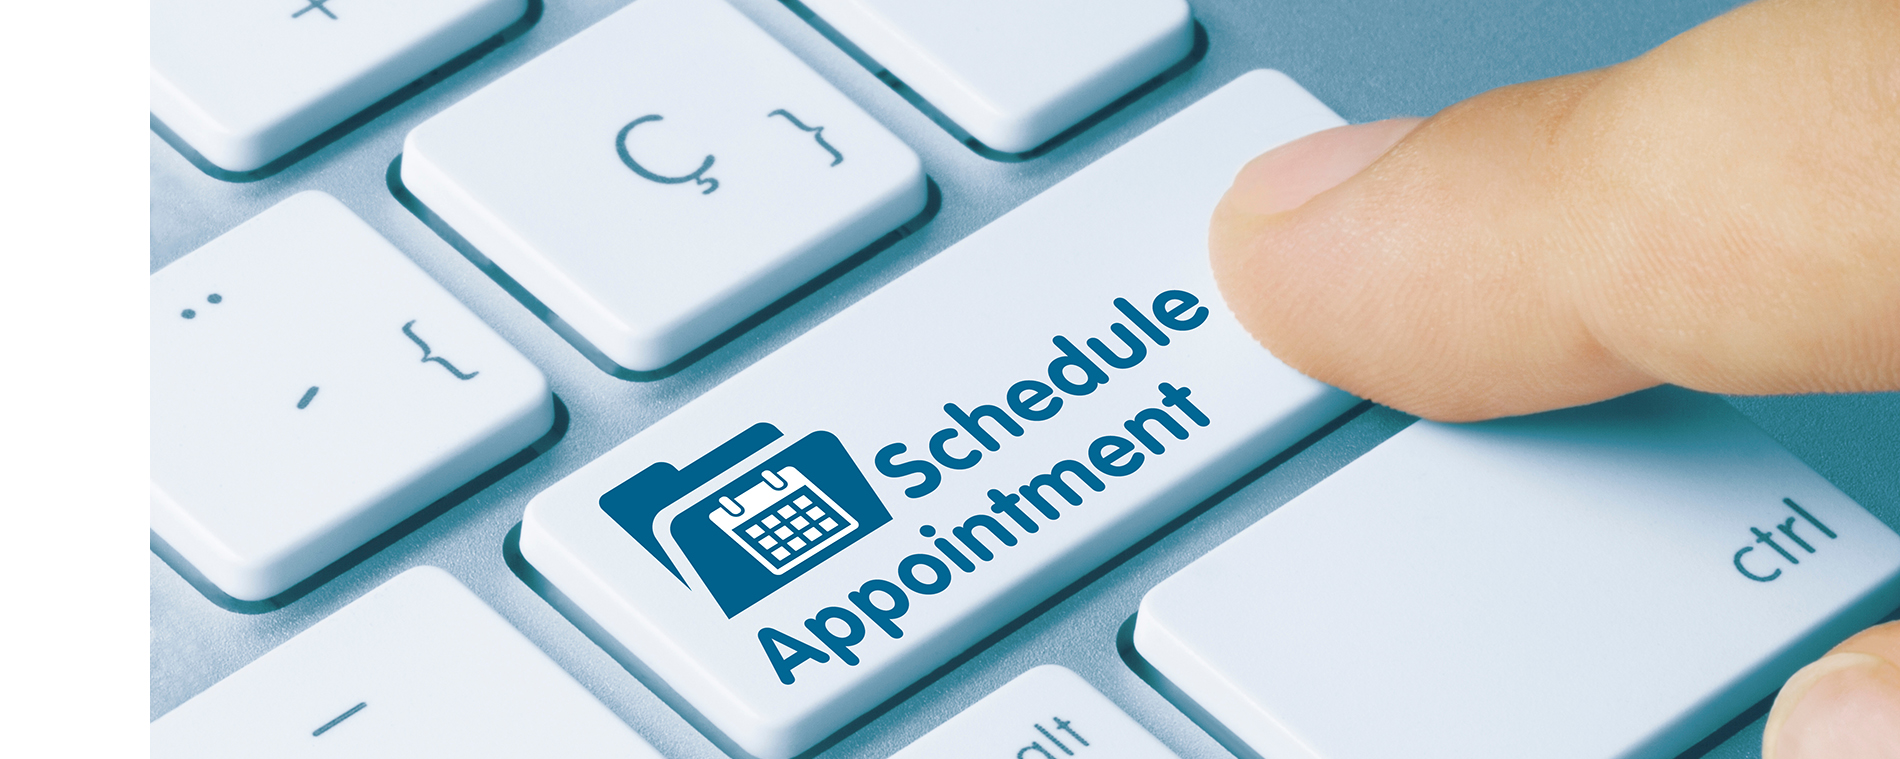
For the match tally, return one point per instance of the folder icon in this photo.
(750, 516)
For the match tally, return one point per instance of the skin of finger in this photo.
(1853, 713)
(1717, 214)
(1788, 279)
(1313, 164)
(1880, 641)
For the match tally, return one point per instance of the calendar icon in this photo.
(751, 515)
(783, 520)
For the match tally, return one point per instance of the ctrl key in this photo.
(1616, 581)
(417, 667)
(1045, 713)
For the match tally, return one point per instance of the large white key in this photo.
(1014, 73)
(661, 176)
(880, 494)
(311, 388)
(245, 81)
(417, 667)
(1611, 581)
(1045, 713)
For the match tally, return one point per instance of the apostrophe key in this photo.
(311, 388)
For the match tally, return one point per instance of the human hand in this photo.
(1722, 213)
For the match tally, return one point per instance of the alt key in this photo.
(1047, 712)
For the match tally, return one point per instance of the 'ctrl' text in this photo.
(1752, 567)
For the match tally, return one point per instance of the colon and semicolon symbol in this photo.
(698, 176)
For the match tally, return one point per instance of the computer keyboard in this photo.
(835, 327)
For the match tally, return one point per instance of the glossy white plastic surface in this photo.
(981, 325)
(653, 203)
(310, 388)
(244, 82)
(1617, 581)
(1014, 73)
(1045, 713)
(417, 667)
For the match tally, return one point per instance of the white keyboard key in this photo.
(311, 388)
(1014, 73)
(1611, 581)
(813, 535)
(661, 176)
(1045, 713)
(417, 667)
(244, 81)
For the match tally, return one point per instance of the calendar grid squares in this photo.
(794, 526)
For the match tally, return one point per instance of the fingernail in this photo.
(1287, 176)
(1823, 710)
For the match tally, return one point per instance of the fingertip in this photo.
(1286, 177)
(1253, 278)
(1374, 258)
(1846, 705)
